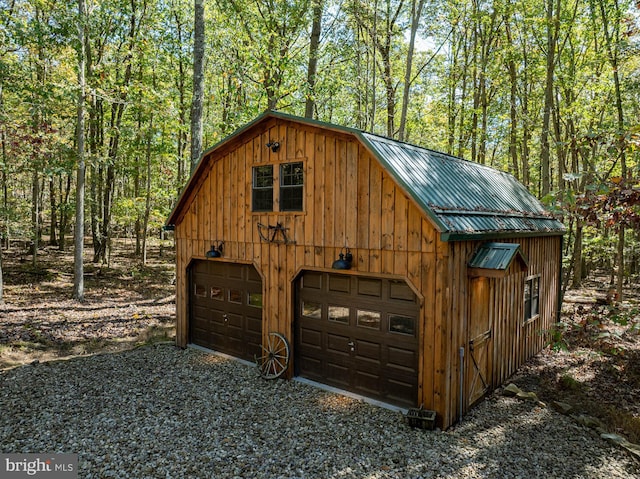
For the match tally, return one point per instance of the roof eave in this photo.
(486, 235)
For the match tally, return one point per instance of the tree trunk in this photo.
(620, 261)
(53, 223)
(513, 99)
(577, 256)
(64, 213)
(416, 12)
(552, 19)
(147, 208)
(198, 83)
(78, 270)
(314, 44)
(35, 215)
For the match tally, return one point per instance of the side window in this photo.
(531, 297)
(291, 186)
(263, 188)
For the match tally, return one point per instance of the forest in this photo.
(548, 91)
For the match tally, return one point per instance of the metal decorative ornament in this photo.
(274, 234)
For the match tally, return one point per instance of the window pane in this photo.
(312, 310)
(291, 186)
(217, 293)
(369, 319)
(291, 198)
(254, 299)
(263, 188)
(291, 174)
(235, 296)
(263, 200)
(200, 290)
(402, 324)
(339, 314)
(263, 176)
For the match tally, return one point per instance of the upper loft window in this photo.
(531, 297)
(290, 187)
(263, 188)
(291, 183)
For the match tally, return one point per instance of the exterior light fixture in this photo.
(216, 250)
(274, 145)
(344, 260)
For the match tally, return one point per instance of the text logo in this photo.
(46, 466)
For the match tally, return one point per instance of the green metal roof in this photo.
(465, 200)
(495, 256)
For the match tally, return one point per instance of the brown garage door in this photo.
(359, 334)
(226, 308)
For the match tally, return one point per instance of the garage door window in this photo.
(368, 319)
(200, 290)
(235, 296)
(311, 310)
(339, 314)
(217, 293)
(254, 299)
(402, 324)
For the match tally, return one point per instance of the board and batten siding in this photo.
(513, 341)
(348, 200)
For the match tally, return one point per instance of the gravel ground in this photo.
(162, 412)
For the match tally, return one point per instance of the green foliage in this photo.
(557, 339)
(475, 92)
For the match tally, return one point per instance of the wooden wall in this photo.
(349, 200)
(513, 341)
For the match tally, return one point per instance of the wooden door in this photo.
(478, 364)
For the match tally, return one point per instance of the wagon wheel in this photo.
(275, 357)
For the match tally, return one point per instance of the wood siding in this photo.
(513, 341)
(350, 200)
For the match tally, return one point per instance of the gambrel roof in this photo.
(463, 199)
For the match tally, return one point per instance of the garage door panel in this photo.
(399, 391)
(254, 325)
(402, 358)
(368, 351)
(310, 338)
(368, 383)
(359, 333)
(226, 307)
(338, 344)
(338, 374)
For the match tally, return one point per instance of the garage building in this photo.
(454, 272)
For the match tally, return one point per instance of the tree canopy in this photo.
(549, 91)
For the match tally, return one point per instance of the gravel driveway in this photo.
(163, 412)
